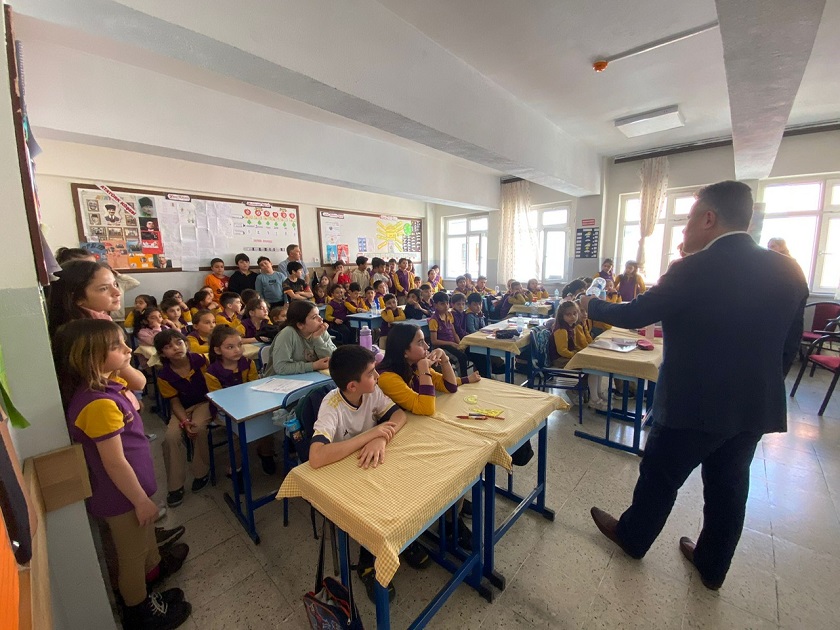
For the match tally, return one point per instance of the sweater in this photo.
(293, 354)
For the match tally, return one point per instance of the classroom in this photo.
(520, 277)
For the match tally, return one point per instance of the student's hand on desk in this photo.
(321, 364)
(146, 512)
(386, 430)
(474, 377)
(373, 453)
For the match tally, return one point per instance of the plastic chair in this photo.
(826, 316)
(830, 362)
(543, 376)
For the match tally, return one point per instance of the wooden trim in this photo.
(34, 577)
(27, 184)
(321, 247)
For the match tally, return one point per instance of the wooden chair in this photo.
(830, 362)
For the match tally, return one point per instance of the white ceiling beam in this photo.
(766, 47)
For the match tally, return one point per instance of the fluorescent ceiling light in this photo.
(650, 122)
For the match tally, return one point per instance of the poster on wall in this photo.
(148, 230)
(586, 242)
(346, 235)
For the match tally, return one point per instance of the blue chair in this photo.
(542, 376)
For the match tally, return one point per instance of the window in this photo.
(806, 213)
(661, 246)
(466, 246)
(551, 226)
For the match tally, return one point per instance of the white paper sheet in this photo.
(279, 386)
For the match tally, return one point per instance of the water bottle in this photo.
(374, 309)
(597, 288)
(520, 325)
(497, 289)
(365, 338)
(556, 294)
(293, 428)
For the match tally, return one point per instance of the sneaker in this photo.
(172, 595)
(161, 512)
(154, 613)
(151, 437)
(166, 537)
(368, 577)
(269, 466)
(598, 404)
(199, 483)
(175, 497)
(416, 556)
(171, 561)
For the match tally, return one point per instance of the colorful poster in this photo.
(586, 242)
(343, 251)
(332, 253)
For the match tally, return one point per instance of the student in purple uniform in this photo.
(391, 314)
(336, 316)
(371, 298)
(172, 313)
(607, 270)
(458, 302)
(228, 368)
(442, 330)
(426, 298)
(153, 323)
(174, 294)
(181, 381)
(413, 310)
(103, 416)
(256, 319)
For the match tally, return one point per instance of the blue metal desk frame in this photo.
(469, 571)
(251, 411)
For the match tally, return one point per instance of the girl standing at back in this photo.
(102, 415)
(630, 284)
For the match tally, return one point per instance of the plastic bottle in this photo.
(365, 338)
(375, 309)
(597, 288)
(556, 294)
(293, 428)
(497, 289)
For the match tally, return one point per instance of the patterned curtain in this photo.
(518, 247)
(654, 175)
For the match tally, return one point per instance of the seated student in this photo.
(231, 309)
(426, 297)
(434, 280)
(458, 304)
(172, 313)
(403, 280)
(390, 314)
(380, 288)
(248, 294)
(277, 315)
(460, 285)
(295, 287)
(199, 337)
(357, 416)
(371, 298)
(303, 345)
(612, 296)
(256, 319)
(181, 381)
(470, 285)
(151, 325)
(325, 282)
(360, 274)
(228, 368)
(174, 294)
(413, 310)
(607, 270)
(515, 295)
(379, 274)
(572, 290)
(354, 301)
(141, 303)
(269, 283)
(568, 335)
(481, 286)
(336, 316)
(475, 319)
(442, 330)
(203, 300)
(417, 282)
(536, 290)
(243, 278)
(217, 280)
(340, 274)
(319, 294)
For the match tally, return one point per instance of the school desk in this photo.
(525, 413)
(249, 351)
(247, 414)
(505, 348)
(428, 467)
(641, 365)
(533, 309)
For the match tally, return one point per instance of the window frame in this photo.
(542, 238)
(482, 243)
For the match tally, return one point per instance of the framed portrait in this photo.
(94, 219)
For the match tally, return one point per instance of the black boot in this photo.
(154, 613)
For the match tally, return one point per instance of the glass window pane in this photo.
(456, 256)
(482, 263)
(555, 217)
(632, 210)
(673, 245)
(682, 205)
(629, 246)
(830, 276)
(792, 197)
(478, 225)
(800, 234)
(835, 195)
(654, 244)
(456, 226)
(473, 254)
(555, 255)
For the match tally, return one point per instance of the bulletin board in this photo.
(137, 230)
(346, 235)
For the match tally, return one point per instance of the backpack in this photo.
(306, 412)
(266, 334)
(540, 353)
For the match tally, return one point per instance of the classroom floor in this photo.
(565, 574)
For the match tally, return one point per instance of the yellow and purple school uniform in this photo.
(222, 319)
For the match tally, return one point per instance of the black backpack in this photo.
(266, 334)
(306, 412)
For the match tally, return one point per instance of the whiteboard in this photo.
(346, 235)
(135, 229)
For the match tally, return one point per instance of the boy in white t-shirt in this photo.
(359, 417)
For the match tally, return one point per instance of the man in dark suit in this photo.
(731, 315)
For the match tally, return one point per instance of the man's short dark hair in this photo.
(361, 260)
(440, 296)
(291, 248)
(348, 363)
(227, 297)
(240, 257)
(293, 266)
(475, 297)
(731, 201)
(262, 258)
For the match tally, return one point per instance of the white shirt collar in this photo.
(713, 241)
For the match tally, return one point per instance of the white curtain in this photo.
(518, 246)
(654, 175)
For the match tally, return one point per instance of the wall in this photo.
(64, 162)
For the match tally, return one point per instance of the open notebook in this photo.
(616, 345)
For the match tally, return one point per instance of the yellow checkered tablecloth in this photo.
(249, 351)
(427, 466)
(636, 364)
(523, 410)
(513, 346)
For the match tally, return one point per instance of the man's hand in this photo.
(584, 302)
(372, 453)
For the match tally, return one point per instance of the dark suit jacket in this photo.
(731, 321)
